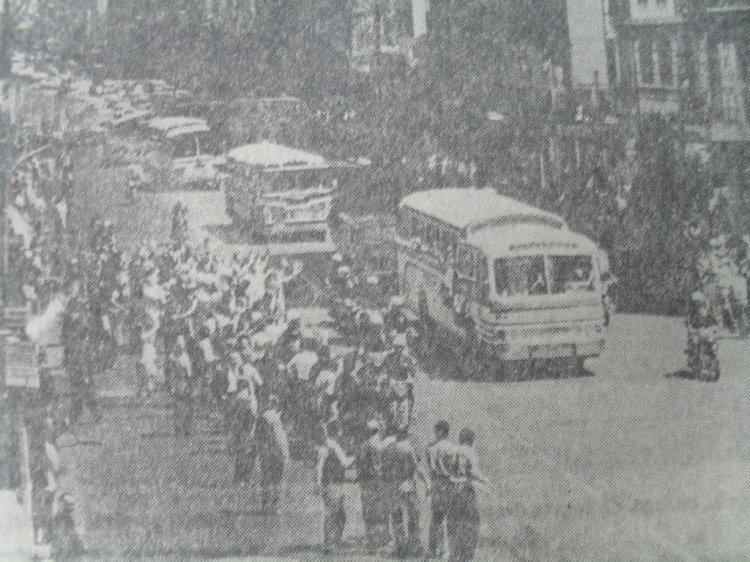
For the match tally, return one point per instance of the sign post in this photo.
(18, 361)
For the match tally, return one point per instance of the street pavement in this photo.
(628, 463)
(634, 461)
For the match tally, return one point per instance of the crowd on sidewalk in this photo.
(38, 242)
(213, 333)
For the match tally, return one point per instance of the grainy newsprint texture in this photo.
(321, 280)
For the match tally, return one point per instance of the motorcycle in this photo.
(703, 354)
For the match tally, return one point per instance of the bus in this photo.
(281, 194)
(506, 285)
(178, 159)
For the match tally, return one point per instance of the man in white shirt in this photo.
(302, 363)
(250, 374)
(330, 476)
(440, 455)
(463, 518)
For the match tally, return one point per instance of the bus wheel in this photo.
(516, 370)
(474, 368)
(580, 369)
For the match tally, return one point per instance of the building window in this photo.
(646, 61)
(611, 55)
(664, 54)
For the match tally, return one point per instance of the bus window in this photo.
(520, 276)
(462, 262)
(482, 283)
(402, 226)
(571, 274)
(450, 245)
(431, 238)
(421, 233)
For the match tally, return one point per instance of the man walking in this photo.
(463, 521)
(81, 366)
(401, 469)
(242, 434)
(332, 465)
(400, 368)
(440, 458)
(274, 455)
(181, 376)
(370, 474)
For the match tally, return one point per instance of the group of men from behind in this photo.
(388, 470)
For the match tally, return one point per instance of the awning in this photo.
(188, 130)
(165, 124)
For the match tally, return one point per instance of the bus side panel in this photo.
(420, 282)
(239, 199)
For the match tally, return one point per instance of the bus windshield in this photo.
(571, 274)
(520, 276)
(540, 275)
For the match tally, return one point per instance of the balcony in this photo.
(729, 7)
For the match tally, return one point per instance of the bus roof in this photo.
(529, 239)
(166, 124)
(266, 154)
(472, 208)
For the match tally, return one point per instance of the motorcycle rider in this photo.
(703, 359)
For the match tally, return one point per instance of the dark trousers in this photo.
(463, 525)
(271, 475)
(374, 514)
(334, 515)
(406, 527)
(83, 394)
(244, 463)
(441, 498)
(183, 417)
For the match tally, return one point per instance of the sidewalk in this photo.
(141, 491)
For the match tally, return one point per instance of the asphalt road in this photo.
(626, 464)
(632, 462)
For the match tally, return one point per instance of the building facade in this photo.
(726, 40)
(381, 29)
(656, 57)
(690, 60)
(588, 34)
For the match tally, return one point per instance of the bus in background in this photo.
(505, 285)
(282, 195)
(177, 160)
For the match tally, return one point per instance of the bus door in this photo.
(465, 283)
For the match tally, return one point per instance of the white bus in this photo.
(179, 161)
(505, 284)
(282, 194)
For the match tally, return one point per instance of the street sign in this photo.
(19, 364)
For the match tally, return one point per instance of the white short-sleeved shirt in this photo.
(303, 363)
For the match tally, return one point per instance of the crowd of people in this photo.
(213, 332)
(37, 207)
(38, 242)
